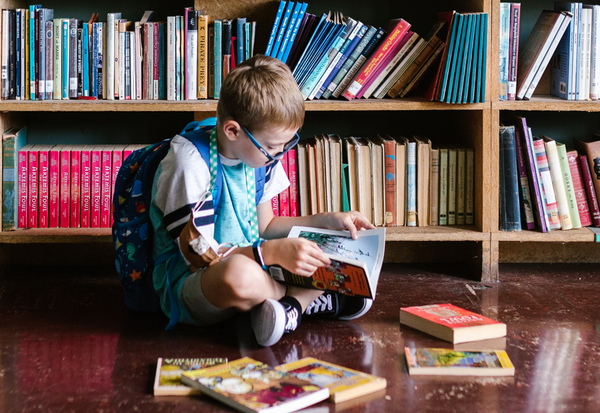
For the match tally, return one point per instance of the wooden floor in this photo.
(67, 343)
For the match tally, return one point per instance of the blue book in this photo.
(510, 211)
(577, 47)
(504, 40)
(358, 31)
(32, 50)
(561, 84)
(178, 80)
(65, 58)
(368, 34)
(44, 16)
(86, 59)
(482, 70)
(456, 56)
(275, 27)
(470, 97)
(319, 52)
(247, 41)
(218, 52)
(411, 184)
(94, 52)
(449, 57)
(322, 30)
(316, 34)
(466, 62)
(287, 14)
(240, 40)
(294, 34)
(289, 29)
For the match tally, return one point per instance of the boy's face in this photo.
(273, 140)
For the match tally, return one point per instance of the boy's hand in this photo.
(297, 255)
(352, 221)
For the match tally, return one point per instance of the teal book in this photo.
(65, 58)
(85, 61)
(317, 48)
(12, 142)
(275, 27)
(218, 57)
(464, 85)
(467, 44)
(470, 93)
(247, 41)
(444, 81)
(32, 50)
(345, 196)
(287, 14)
(240, 40)
(459, 47)
(480, 93)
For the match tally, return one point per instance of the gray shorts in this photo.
(203, 312)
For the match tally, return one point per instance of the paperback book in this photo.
(167, 381)
(355, 264)
(451, 323)
(440, 361)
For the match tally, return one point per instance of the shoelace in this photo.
(321, 304)
(292, 319)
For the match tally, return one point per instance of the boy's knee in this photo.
(244, 280)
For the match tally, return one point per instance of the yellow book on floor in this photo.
(441, 361)
(167, 381)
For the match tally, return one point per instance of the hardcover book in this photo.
(343, 383)
(43, 184)
(510, 213)
(451, 323)
(167, 380)
(557, 183)
(439, 361)
(547, 187)
(592, 151)
(579, 189)
(590, 190)
(32, 179)
(355, 264)
(250, 386)
(13, 141)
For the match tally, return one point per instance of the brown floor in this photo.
(67, 344)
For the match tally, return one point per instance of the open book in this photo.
(355, 264)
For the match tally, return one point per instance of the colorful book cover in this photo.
(343, 383)
(76, 185)
(439, 361)
(411, 184)
(284, 196)
(13, 141)
(579, 189)
(167, 380)
(466, 55)
(275, 206)
(65, 58)
(293, 177)
(96, 187)
(86, 175)
(32, 183)
(106, 194)
(249, 385)
(54, 189)
(43, 184)
(547, 187)
(65, 187)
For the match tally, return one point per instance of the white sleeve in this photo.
(275, 182)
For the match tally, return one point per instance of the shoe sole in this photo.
(268, 322)
(367, 304)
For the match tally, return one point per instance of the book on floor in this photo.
(167, 381)
(355, 264)
(251, 386)
(343, 383)
(451, 323)
(446, 362)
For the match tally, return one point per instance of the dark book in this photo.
(510, 214)
(12, 54)
(589, 190)
(307, 28)
(73, 25)
(527, 217)
(79, 61)
(49, 39)
(226, 47)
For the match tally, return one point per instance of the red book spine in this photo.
(54, 188)
(590, 190)
(65, 187)
(284, 196)
(146, 72)
(96, 187)
(76, 187)
(156, 59)
(117, 161)
(105, 189)
(23, 186)
(43, 192)
(376, 59)
(275, 205)
(32, 211)
(579, 189)
(86, 168)
(390, 183)
(293, 176)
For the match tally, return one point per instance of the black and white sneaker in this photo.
(272, 319)
(342, 307)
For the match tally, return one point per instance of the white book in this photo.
(138, 60)
(558, 184)
(401, 68)
(5, 37)
(595, 54)
(23, 45)
(110, 54)
(132, 70)
(584, 53)
(191, 50)
(171, 58)
(121, 73)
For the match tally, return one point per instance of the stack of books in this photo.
(544, 185)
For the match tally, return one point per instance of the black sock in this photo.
(288, 299)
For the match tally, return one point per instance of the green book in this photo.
(568, 181)
(218, 57)
(345, 197)
(12, 142)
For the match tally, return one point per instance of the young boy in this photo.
(258, 115)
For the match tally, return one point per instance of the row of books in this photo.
(393, 181)
(52, 186)
(543, 184)
(335, 55)
(118, 59)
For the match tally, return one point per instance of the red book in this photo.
(147, 70)
(389, 147)
(117, 161)
(96, 194)
(65, 186)
(590, 190)
(32, 198)
(54, 187)
(284, 196)
(23, 185)
(275, 205)
(451, 323)
(293, 177)
(76, 186)
(105, 186)
(579, 189)
(86, 181)
(43, 184)
(156, 60)
(398, 28)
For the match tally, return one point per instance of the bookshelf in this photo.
(475, 246)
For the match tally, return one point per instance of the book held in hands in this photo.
(441, 361)
(451, 323)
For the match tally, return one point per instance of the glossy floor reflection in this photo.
(67, 344)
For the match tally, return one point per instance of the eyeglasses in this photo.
(289, 145)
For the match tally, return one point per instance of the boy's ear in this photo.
(231, 129)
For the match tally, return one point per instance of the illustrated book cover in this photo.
(251, 386)
(355, 264)
(440, 361)
(167, 381)
(451, 323)
(343, 383)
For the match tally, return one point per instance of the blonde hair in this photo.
(260, 93)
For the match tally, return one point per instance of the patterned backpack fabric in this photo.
(132, 229)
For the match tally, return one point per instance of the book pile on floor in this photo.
(544, 185)
(479, 342)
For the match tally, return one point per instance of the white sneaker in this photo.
(271, 320)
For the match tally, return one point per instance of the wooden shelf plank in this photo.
(548, 103)
(210, 105)
(436, 233)
(574, 235)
